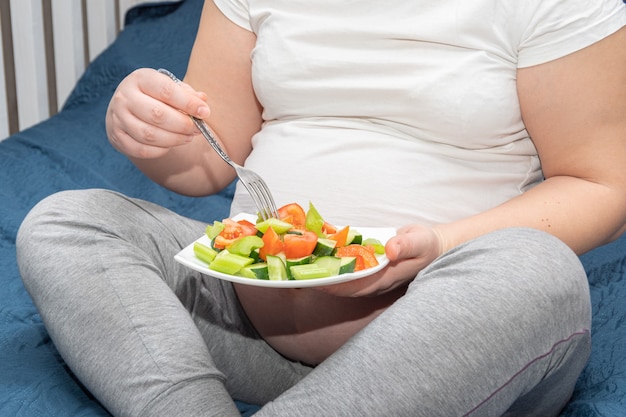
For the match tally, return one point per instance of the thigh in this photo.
(480, 328)
(100, 267)
(254, 371)
(75, 244)
(521, 301)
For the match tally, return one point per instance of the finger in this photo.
(134, 137)
(126, 144)
(201, 95)
(178, 95)
(157, 118)
(148, 120)
(404, 246)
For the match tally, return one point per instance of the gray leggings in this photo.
(497, 326)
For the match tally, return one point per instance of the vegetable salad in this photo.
(298, 245)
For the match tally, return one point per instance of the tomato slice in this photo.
(232, 231)
(272, 245)
(341, 236)
(220, 242)
(247, 225)
(328, 229)
(293, 213)
(299, 245)
(364, 252)
(360, 263)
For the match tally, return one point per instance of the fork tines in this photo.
(258, 190)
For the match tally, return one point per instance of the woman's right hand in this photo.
(149, 114)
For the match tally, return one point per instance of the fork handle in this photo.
(201, 124)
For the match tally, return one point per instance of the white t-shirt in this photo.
(396, 112)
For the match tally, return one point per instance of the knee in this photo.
(60, 209)
(549, 272)
(545, 261)
(525, 270)
(50, 224)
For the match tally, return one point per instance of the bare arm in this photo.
(147, 118)
(574, 109)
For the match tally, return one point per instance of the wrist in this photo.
(443, 241)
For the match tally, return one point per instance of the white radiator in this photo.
(46, 45)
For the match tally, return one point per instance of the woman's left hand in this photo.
(412, 249)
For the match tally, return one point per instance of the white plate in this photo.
(188, 258)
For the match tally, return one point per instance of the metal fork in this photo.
(257, 188)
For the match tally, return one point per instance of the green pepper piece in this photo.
(314, 221)
(212, 230)
(379, 248)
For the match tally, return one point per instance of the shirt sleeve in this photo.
(558, 28)
(236, 11)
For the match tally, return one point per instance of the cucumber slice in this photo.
(204, 253)
(279, 226)
(298, 261)
(276, 268)
(245, 245)
(348, 264)
(257, 271)
(255, 256)
(229, 263)
(324, 247)
(354, 236)
(309, 271)
(331, 263)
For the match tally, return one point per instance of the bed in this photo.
(70, 151)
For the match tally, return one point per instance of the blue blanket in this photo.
(70, 151)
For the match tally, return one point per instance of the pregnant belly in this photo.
(308, 325)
